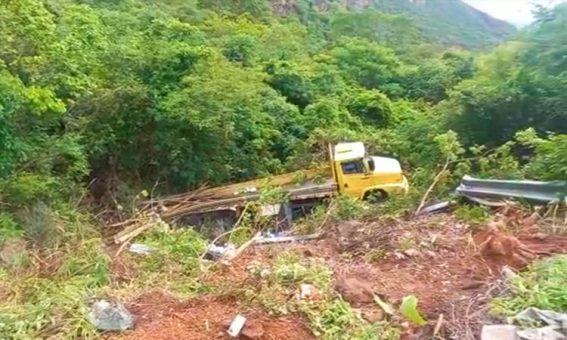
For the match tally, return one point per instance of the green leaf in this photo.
(410, 312)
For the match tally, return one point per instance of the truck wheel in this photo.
(376, 196)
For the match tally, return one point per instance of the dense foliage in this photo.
(103, 102)
(122, 94)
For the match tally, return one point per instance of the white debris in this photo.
(110, 316)
(307, 291)
(219, 252)
(236, 326)
(139, 248)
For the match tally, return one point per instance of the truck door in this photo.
(354, 177)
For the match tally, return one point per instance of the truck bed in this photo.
(235, 195)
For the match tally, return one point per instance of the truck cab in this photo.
(362, 176)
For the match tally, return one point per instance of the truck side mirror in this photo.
(371, 165)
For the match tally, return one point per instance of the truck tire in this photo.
(375, 196)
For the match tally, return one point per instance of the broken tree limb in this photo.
(243, 247)
(435, 180)
(130, 233)
(438, 325)
(234, 228)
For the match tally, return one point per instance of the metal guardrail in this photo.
(530, 191)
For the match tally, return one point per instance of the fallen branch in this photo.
(235, 228)
(438, 325)
(130, 233)
(435, 180)
(242, 248)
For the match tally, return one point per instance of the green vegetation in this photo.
(330, 317)
(542, 286)
(106, 102)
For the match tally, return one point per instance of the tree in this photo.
(372, 106)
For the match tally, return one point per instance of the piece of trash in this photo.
(308, 292)
(139, 248)
(409, 310)
(435, 208)
(110, 316)
(236, 326)
(499, 332)
(281, 239)
(218, 252)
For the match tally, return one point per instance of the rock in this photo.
(13, 251)
(508, 273)
(499, 332)
(373, 315)
(412, 252)
(355, 290)
(399, 256)
(430, 254)
(110, 316)
(252, 330)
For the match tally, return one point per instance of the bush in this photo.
(541, 286)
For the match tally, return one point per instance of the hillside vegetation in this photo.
(451, 22)
(105, 102)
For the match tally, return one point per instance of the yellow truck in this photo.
(350, 172)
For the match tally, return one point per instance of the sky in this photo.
(517, 12)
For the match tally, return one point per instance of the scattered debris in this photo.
(139, 248)
(436, 208)
(283, 239)
(236, 326)
(142, 224)
(554, 324)
(110, 316)
(499, 332)
(218, 252)
(553, 327)
(308, 292)
(387, 308)
(243, 247)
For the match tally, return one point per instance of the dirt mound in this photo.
(355, 290)
(498, 248)
(160, 316)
